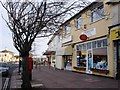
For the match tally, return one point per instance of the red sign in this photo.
(83, 37)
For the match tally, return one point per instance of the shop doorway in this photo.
(68, 62)
(118, 59)
(89, 61)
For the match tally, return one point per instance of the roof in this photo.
(113, 1)
(114, 25)
(6, 51)
(84, 9)
(49, 53)
(56, 33)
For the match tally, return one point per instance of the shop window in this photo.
(94, 44)
(79, 47)
(104, 42)
(99, 48)
(68, 61)
(99, 43)
(81, 60)
(100, 58)
(89, 45)
(84, 46)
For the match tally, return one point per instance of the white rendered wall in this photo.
(59, 62)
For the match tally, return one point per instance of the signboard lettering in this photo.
(117, 34)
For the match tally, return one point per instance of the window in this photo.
(68, 61)
(99, 48)
(59, 38)
(104, 42)
(80, 47)
(53, 57)
(84, 46)
(100, 58)
(99, 43)
(67, 28)
(77, 47)
(89, 45)
(78, 22)
(97, 14)
(94, 44)
(81, 60)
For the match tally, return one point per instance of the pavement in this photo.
(49, 78)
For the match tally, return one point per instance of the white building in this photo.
(6, 56)
(53, 46)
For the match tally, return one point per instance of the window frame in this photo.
(78, 22)
(102, 40)
(94, 13)
(67, 28)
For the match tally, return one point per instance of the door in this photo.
(118, 59)
(89, 61)
(68, 62)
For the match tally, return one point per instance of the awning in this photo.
(49, 53)
(67, 50)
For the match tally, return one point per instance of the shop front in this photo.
(117, 57)
(91, 57)
(66, 54)
(115, 39)
(51, 56)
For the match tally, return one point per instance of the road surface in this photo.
(5, 81)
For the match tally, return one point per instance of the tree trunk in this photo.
(25, 74)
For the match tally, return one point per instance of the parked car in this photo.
(4, 69)
(40, 63)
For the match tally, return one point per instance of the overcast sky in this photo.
(6, 41)
(5, 34)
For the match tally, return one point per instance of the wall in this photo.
(9, 57)
(59, 62)
(115, 20)
(101, 27)
(55, 45)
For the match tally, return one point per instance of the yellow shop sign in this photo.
(115, 34)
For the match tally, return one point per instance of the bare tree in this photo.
(29, 19)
